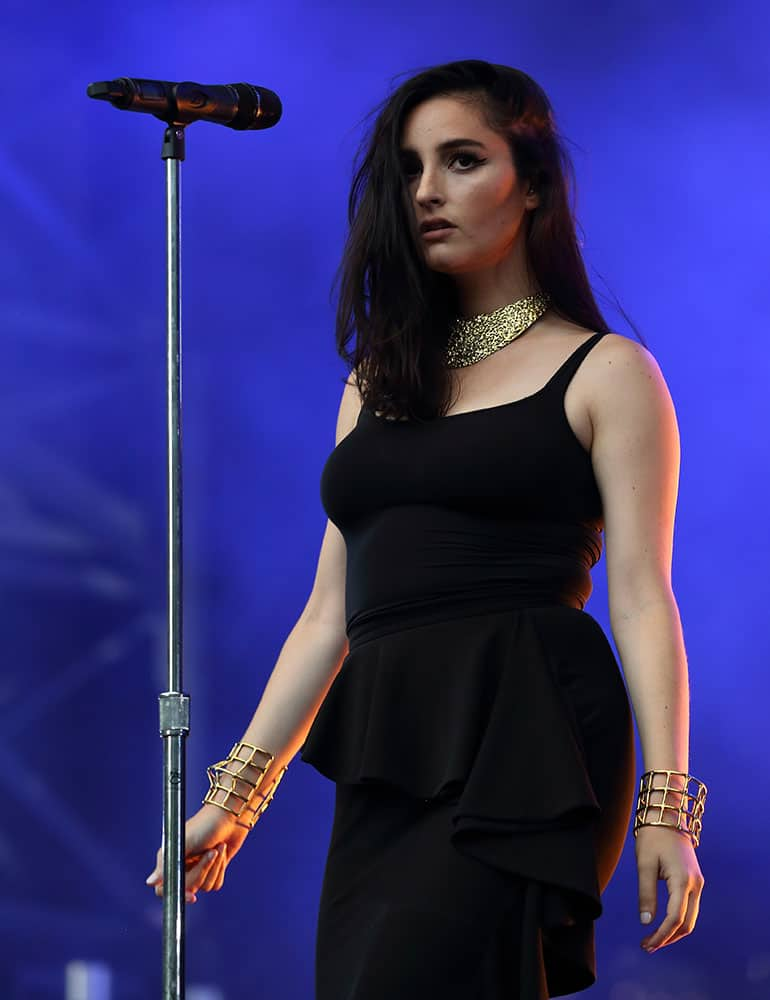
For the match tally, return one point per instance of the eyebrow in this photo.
(447, 144)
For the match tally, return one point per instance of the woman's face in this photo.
(472, 184)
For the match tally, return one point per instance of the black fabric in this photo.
(403, 914)
(475, 687)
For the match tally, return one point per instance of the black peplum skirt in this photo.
(485, 777)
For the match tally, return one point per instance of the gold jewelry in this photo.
(676, 799)
(475, 337)
(236, 792)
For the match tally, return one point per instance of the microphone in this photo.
(236, 105)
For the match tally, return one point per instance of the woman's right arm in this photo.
(313, 652)
(309, 661)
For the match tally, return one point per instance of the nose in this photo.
(428, 189)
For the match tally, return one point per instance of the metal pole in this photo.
(174, 707)
(243, 107)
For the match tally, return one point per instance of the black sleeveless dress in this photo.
(479, 730)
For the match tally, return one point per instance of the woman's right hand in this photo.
(212, 839)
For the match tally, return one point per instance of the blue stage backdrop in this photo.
(666, 108)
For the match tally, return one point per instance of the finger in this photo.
(197, 874)
(648, 889)
(690, 917)
(225, 862)
(190, 897)
(192, 872)
(674, 917)
(155, 878)
(157, 873)
(217, 875)
(213, 874)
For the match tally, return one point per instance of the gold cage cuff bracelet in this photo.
(234, 783)
(674, 806)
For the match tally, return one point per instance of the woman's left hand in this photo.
(665, 853)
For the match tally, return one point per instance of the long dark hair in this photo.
(399, 307)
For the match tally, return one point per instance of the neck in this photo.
(489, 289)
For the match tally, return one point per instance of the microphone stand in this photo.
(174, 706)
(240, 106)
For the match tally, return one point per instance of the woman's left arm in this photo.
(635, 454)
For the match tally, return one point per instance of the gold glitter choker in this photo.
(476, 337)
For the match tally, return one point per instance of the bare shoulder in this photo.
(623, 375)
(615, 349)
(619, 386)
(635, 454)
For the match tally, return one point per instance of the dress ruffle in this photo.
(495, 711)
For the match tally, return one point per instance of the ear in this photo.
(533, 198)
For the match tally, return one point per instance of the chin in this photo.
(453, 266)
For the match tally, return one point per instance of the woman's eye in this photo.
(411, 169)
(466, 156)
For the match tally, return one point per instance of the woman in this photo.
(444, 672)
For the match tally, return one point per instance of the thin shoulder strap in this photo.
(573, 362)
